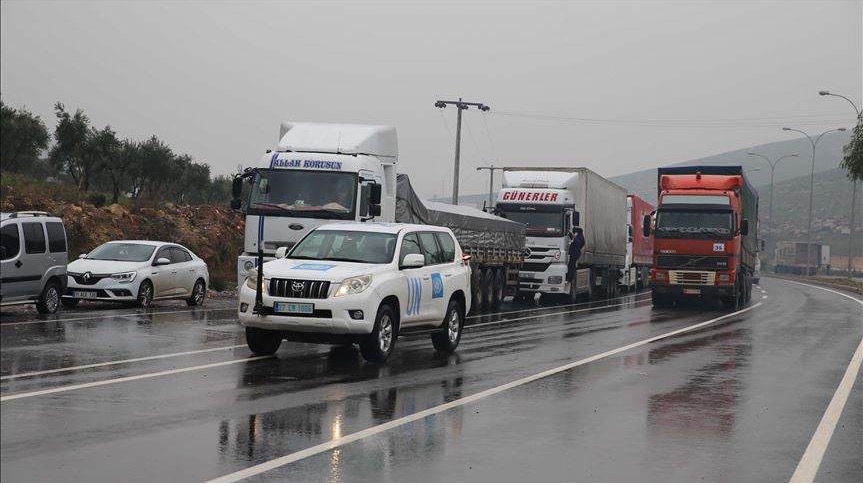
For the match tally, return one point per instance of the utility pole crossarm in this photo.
(460, 106)
(491, 169)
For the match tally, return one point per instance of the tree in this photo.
(69, 155)
(23, 136)
(853, 160)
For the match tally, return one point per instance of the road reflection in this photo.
(293, 424)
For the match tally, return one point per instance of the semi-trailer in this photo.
(329, 172)
(639, 248)
(790, 257)
(551, 201)
(705, 235)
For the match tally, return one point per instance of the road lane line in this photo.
(128, 379)
(636, 295)
(116, 362)
(809, 463)
(350, 438)
(98, 317)
(555, 314)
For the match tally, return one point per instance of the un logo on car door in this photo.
(437, 285)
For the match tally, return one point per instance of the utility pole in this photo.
(491, 169)
(460, 106)
(772, 164)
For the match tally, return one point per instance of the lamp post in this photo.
(811, 186)
(773, 165)
(853, 189)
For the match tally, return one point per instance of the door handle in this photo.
(447, 274)
(425, 277)
(154, 273)
(191, 271)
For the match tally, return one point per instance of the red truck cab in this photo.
(704, 235)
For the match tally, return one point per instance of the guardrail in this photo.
(818, 281)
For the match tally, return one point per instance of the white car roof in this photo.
(385, 227)
(143, 242)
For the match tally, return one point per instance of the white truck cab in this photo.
(359, 283)
(318, 173)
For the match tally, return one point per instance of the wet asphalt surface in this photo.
(736, 400)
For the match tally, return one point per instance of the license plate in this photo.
(306, 308)
(691, 291)
(85, 294)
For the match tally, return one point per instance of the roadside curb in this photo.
(818, 282)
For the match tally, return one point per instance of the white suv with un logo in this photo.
(359, 283)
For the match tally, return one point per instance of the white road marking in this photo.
(128, 379)
(809, 463)
(551, 307)
(554, 314)
(763, 297)
(97, 317)
(350, 438)
(116, 362)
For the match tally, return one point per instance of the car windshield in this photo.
(693, 224)
(122, 252)
(304, 193)
(547, 224)
(355, 246)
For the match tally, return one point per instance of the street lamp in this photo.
(811, 186)
(853, 188)
(770, 210)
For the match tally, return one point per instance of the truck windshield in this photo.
(693, 224)
(545, 224)
(354, 246)
(304, 193)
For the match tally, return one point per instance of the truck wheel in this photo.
(49, 300)
(476, 290)
(659, 301)
(379, 344)
(486, 288)
(262, 341)
(497, 289)
(447, 339)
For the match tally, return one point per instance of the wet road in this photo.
(615, 392)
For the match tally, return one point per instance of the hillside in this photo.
(212, 232)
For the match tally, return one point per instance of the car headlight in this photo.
(124, 277)
(252, 280)
(352, 286)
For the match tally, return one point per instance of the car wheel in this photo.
(379, 344)
(447, 339)
(262, 341)
(199, 292)
(49, 300)
(145, 294)
(70, 302)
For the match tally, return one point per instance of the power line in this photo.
(490, 141)
(680, 123)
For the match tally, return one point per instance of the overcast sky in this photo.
(215, 79)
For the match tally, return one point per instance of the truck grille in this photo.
(694, 262)
(699, 278)
(535, 267)
(299, 288)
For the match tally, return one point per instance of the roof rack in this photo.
(29, 214)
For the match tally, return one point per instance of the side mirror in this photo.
(281, 252)
(82, 256)
(375, 194)
(162, 262)
(374, 210)
(413, 261)
(645, 225)
(744, 227)
(236, 204)
(237, 187)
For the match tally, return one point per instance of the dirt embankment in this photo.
(212, 232)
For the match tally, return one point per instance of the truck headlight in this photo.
(352, 286)
(124, 277)
(555, 280)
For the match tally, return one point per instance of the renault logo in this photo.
(87, 277)
(298, 286)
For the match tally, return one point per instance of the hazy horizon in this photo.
(615, 86)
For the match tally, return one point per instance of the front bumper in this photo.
(106, 289)
(693, 291)
(538, 282)
(331, 314)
